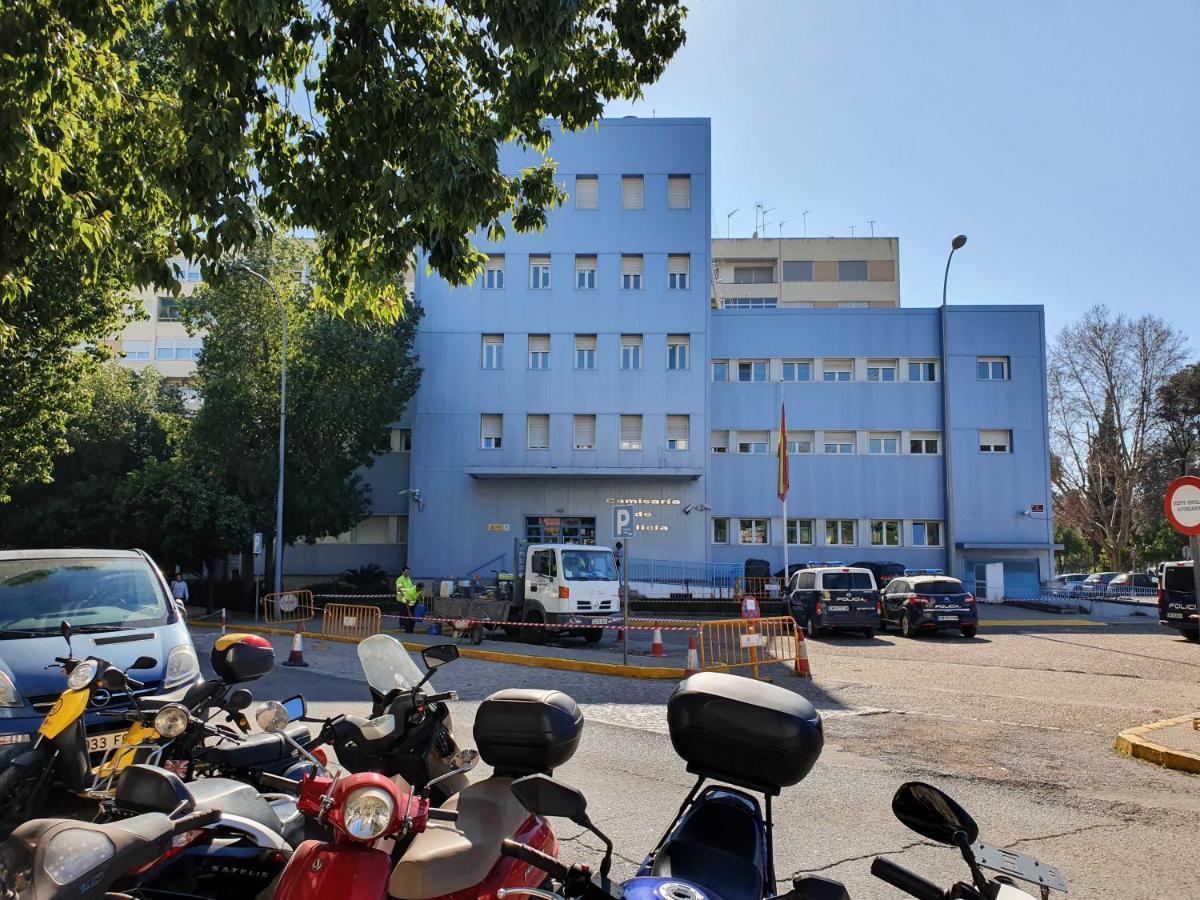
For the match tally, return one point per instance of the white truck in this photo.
(568, 585)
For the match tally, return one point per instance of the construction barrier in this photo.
(739, 643)
(344, 620)
(289, 606)
(761, 588)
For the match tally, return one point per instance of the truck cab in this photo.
(568, 585)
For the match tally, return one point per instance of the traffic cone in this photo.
(296, 657)
(656, 647)
(803, 670)
(620, 634)
(693, 658)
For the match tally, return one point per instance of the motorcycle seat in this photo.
(718, 846)
(235, 799)
(455, 856)
(142, 789)
(259, 749)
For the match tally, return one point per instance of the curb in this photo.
(1048, 623)
(1133, 742)
(517, 659)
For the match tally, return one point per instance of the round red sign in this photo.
(1182, 505)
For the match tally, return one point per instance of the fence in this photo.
(710, 579)
(762, 588)
(738, 643)
(290, 606)
(345, 620)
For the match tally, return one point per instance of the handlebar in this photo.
(443, 815)
(909, 882)
(197, 820)
(269, 779)
(442, 697)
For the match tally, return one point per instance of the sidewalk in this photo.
(1171, 743)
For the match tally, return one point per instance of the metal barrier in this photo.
(289, 606)
(714, 576)
(344, 620)
(734, 643)
(770, 588)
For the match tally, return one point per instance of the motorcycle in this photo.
(935, 815)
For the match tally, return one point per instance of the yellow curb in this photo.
(1025, 623)
(1132, 742)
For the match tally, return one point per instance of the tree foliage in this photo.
(1179, 411)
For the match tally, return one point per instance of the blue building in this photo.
(601, 362)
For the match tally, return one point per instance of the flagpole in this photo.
(783, 499)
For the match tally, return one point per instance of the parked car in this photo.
(1097, 582)
(1070, 584)
(883, 571)
(1177, 599)
(1133, 585)
(119, 607)
(916, 603)
(842, 597)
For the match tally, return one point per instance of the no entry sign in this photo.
(1182, 505)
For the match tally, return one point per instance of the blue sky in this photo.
(1062, 137)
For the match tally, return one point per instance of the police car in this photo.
(927, 600)
(834, 595)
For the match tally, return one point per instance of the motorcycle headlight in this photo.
(8, 691)
(82, 675)
(75, 852)
(368, 812)
(171, 721)
(182, 666)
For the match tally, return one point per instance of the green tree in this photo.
(347, 382)
(1179, 411)
(1076, 555)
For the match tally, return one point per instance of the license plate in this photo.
(947, 618)
(839, 609)
(1174, 615)
(99, 743)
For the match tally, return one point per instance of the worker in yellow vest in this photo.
(407, 596)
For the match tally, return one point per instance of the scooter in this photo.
(935, 815)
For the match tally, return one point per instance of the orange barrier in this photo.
(737, 643)
(344, 620)
(289, 606)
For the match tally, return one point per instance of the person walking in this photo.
(179, 589)
(407, 595)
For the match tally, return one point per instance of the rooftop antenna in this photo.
(851, 231)
(871, 222)
(804, 216)
(729, 216)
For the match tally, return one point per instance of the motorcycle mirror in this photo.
(543, 796)
(64, 629)
(931, 813)
(114, 679)
(295, 707)
(439, 655)
(239, 700)
(144, 662)
(272, 717)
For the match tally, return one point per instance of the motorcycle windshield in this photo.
(387, 664)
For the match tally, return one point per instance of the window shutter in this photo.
(632, 191)
(679, 192)
(678, 264)
(539, 432)
(585, 342)
(539, 260)
(719, 440)
(584, 262)
(753, 437)
(677, 430)
(631, 432)
(631, 340)
(539, 343)
(585, 432)
(492, 425)
(677, 340)
(587, 192)
(495, 261)
(631, 265)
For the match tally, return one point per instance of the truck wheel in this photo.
(477, 634)
(906, 629)
(534, 635)
(593, 635)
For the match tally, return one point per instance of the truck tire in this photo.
(593, 635)
(535, 635)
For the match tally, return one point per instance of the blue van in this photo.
(119, 608)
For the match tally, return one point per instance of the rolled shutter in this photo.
(677, 432)
(631, 432)
(585, 342)
(632, 191)
(679, 192)
(539, 432)
(719, 441)
(587, 192)
(539, 343)
(631, 265)
(678, 264)
(491, 426)
(585, 432)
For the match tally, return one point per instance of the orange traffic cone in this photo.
(693, 658)
(296, 657)
(803, 670)
(656, 647)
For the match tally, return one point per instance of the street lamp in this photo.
(958, 243)
(282, 423)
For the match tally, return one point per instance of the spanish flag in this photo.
(784, 482)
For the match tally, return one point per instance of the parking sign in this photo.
(622, 521)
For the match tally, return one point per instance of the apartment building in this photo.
(159, 339)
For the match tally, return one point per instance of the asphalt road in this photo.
(1017, 725)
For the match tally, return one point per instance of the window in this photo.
(493, 273)
(754, 531)
(631, 352)
(752, 370)
(539, 273)
(585, 351)
(838, 370)
(491, 431)
(539, 351)
(559, 530)
(587, 192)
(585, 432)
(852, 304)
(883, 442)
(537, 429)
(800, 442)
(995, 441)
(720, 370)
(718, 441)
(401, 529)
(492, 349)
(678, 267)
(179, 348)
(190, 271)
(852, 270)
(753, 274)
(679, 192)
(632, 267)
(720, 531)
(136, 349)
(839, 442)
(797, 270)
(168, 309)
(752, 441)
(797, 370)
(885, 533)
(922, 370)
(678, 430)
(987, 368)
(799, 531)
(750, 303)
(927, 534)
(881, 370)
(923, 442)
(678, 347)
(631, 432)
(401, 440)
(632, 191)
(839, 532)
(585, 273)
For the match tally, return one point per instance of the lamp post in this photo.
(282, 423)
(947, 470)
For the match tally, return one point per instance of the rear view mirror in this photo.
(933, 814)
(272, 717)
(543, 796)
(144, 662)
(239, 700)
(64, 629)
(439, 655)
(295, 707)
(114, 679)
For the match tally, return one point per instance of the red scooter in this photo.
(388, 841)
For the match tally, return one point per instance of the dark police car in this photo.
(926, 600)
(1177, 599)
(834, 596)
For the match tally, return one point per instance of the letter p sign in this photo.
(622, 521)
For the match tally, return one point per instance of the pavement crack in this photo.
(579, 839)
(1073, 831)
(849, 859)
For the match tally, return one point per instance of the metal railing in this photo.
(740, 643)
(714, 576)
(288, 606)
(769, 588)
(345, 620)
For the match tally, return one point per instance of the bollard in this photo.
(296, 657)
